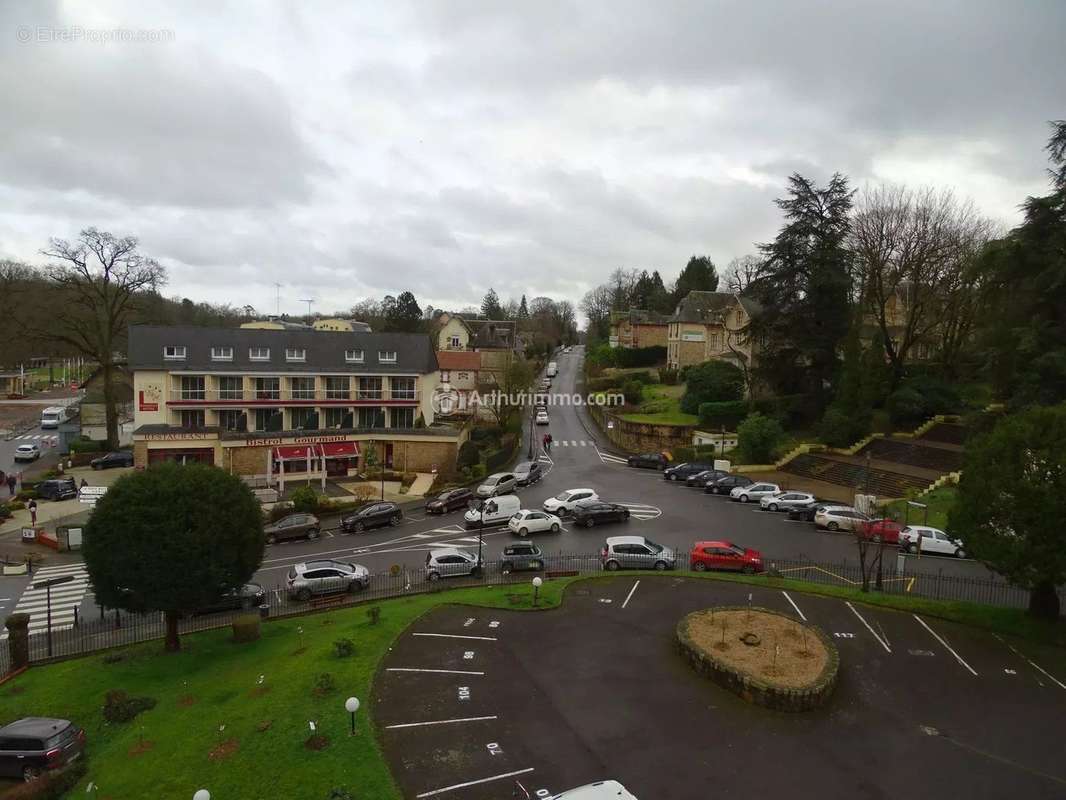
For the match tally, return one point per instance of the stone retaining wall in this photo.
(754, 689)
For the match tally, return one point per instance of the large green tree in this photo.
(1012, 501)
(711, 382)
(402, 313)
(173, 539)
(699, 274)
(490, 306)
(804, 289)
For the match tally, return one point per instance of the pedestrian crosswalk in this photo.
(65, 597)
(609, 458)
(574, 443)
(35, 437)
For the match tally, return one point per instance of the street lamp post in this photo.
(351, 705)
(481, 537)
(530, 434)
(537, 581)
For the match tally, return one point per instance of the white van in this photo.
(552, 370)
(497, 510)
(53, 416)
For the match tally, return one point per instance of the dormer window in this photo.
(174, 352)
(353, 356)
(295, 354)
(387, 356)
(258, 353)
(221, 353)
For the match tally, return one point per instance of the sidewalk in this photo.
(51, 513)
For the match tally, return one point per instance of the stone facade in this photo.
(641, 437)
(708, 326)
(638, 328)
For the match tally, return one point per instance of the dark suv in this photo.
(683, 471)
(727, 484)
(120, 458)
(449, 501)
(523, 555)
(589, 514)
(32, 746)
(57, 489)
(372, 515)
(648, 461)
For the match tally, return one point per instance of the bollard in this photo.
(18, 640)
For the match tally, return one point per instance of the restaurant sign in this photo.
(250, 442)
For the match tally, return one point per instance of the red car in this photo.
(724, 555)
(882, 530)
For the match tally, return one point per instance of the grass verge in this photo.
(939, 503)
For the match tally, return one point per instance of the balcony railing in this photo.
(297, 396)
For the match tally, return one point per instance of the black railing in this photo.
(114, 628)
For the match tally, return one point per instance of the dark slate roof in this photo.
(324, 350)
(699, 306)
(640, 316)
(492, 333)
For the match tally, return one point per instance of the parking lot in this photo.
(469, 701)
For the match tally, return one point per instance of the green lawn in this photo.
(939, 502)
(214, 682)
(661, 405)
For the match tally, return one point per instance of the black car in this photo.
(528, 472)
(372, 515)
(120, 458)
(598, 512)
(250, 595)
(31, 747)
(806, 513)
(648, 461)
(683, 471)
(727, 484)
(705, 477)
(57, 489)
(449, 501)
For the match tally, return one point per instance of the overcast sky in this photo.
(350, 150)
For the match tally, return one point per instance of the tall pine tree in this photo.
(699, 274)
(490, 306)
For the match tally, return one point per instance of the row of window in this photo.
(338, 387)
(295, 354)
(272, 419)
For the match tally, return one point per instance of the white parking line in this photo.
(457, 636)
(635, 585)
(793, 602)
(1032, 664)
(475, 783)
(946, 645)
(437, 671)
(439, 722)
(873, 633)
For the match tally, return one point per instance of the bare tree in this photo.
(912, 250)
(14, 276)
(102, 277)
(741, 272)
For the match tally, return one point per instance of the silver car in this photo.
(636, 552)
(447, 562)
(325, 577)
(840, 518)
(787, 501)
(498, 483)
(755, 491)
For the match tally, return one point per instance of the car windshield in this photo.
(736, 550)
(655, 548)
(522, 468)
(563, 496)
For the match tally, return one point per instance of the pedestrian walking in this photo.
(33, 513)
(84, 483)
(544, 442)
(11, 481)
(3, 477)
(551, 441)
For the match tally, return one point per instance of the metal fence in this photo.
(114, 628)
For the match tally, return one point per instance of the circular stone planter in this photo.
(807, 661)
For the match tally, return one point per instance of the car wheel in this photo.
(476, 572)
(356, 586)
(506, 568)
(359, 527)
(96, 466)
(748, 569)
(590, 522)
(832, 526)
(699, 566)
(911, 547)
(743, 498)
(555, 527)
(960, 553)
(433, 576)
(773, 506)
(673, 477)
(303, 595)
(271, 539)
(395, 519)
(313, 533)
(625, 516)
(30, 774)
(660, 566)
(612, 566)
(523, 532)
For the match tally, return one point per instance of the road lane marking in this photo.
(873, 633)
(457, 636)
(946, 645)
(434, 671)
(793, 602)
(635, 585)
(1033, 664)
(474, 783)
(439, 722)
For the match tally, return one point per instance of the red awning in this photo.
(295, 452)
(340, 449)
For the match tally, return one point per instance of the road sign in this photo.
(90, 494)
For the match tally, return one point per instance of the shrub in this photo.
(711, 382)
(922, 397)
(86, 446)
(728, 413)
(603, 384)
(343, 648)
(683, 454)
(468, 454)
(633, 392)
(477, 472)
(758, 438)
(305, 499)
(16, 505)
(246, 628)
(5, 512)
(324, 683)
(120, 707)
(637, 356)
(668, 376)
(842, 428)
(486, 434)
(26, 495)
(373, 614)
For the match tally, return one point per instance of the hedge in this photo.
(639, 356)
(87, 446)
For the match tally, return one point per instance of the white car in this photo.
(755, 491)
(527, 521)
(449, 562)
(601, 790)
(932, 540)
(27, 452)
(542, 417)
(564, 502)
(786, 501)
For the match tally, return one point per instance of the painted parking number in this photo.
(494, 749)
(494, 624)
(844, 635)
(468, 655)
(464, 692)
(469, 622)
